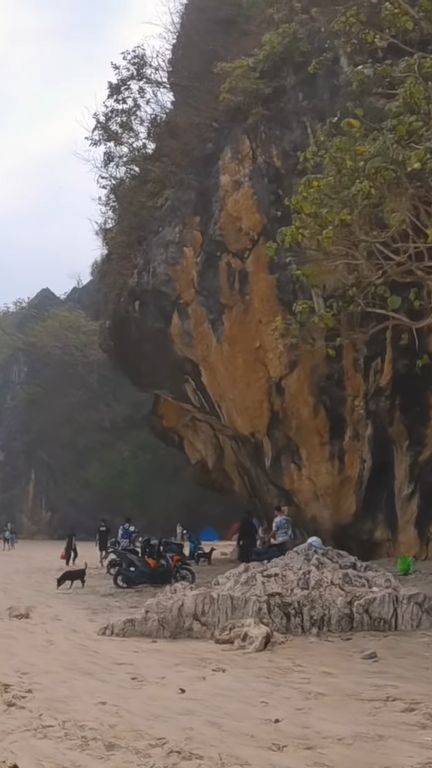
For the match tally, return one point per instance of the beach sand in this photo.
(71, 698)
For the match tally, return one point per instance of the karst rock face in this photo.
(347, 442)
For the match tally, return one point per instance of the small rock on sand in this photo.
(369, 656)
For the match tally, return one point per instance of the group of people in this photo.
(253, 536)
(254, 539)
(126, 537)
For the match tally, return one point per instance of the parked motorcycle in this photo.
(155, 548)
(148, 548)
(114, 561)
(171, 547)
(166, 569)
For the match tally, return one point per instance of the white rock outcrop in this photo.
(307, 591)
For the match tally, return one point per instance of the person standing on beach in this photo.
(13, 536)
(125, 533)
(102, 538)
(282, 531)
(7, 536)
(247, 538)
(71, 551)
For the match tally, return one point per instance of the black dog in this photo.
(72, 576)
(206, 556)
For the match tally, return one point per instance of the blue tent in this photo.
(209, 534)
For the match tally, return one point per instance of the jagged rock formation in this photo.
(307, 591)
(199, 316)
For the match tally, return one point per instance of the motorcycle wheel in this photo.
(120, 581)
(112, 567)
(184, 573)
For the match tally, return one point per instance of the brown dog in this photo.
(206, 556)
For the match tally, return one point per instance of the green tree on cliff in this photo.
(361, 238)
(362, 214)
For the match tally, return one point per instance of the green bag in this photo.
(405, 565)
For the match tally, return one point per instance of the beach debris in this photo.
(19, 614)
(182, 690)
(308, 591)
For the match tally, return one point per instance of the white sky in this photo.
(54, 61)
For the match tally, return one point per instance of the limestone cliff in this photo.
(200, 322)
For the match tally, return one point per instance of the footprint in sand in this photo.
(11, 696)
(19, 614)
(111, 746)
(408, 707)
(182, 754)
(278, 747)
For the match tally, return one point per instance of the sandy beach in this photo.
(71, 698)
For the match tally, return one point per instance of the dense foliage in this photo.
(122, 143)
(359, 245)
(74, 435)
(359, 241)
(160, 115)
(362, 215)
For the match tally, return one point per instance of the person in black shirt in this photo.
(247, 538)
(71, 550)
(102, 538)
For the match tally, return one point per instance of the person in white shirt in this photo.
(282, 530)
(125, 534)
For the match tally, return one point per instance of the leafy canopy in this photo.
(362, 214)
(359, 245)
